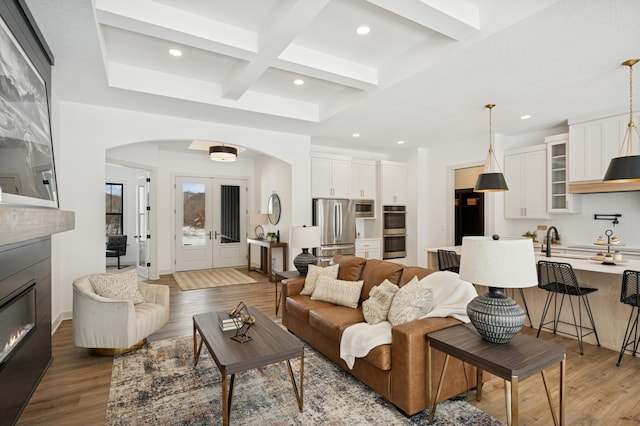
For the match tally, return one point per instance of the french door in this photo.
(210, 222)
(142, 225)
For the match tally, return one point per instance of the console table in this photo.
(516, 360)
(266, 255)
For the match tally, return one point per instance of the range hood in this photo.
(595, 186)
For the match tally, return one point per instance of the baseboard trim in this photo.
(63, 316)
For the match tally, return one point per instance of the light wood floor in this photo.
(75, 389)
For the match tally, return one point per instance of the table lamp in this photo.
(259, 219)
(304, 237)
(497, 263)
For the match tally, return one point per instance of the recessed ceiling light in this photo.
(400, 142)
(298, 82)
(175, 52)
(525, 117)
(363, 30)
(356, 135)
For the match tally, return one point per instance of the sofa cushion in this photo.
(299, 306)
(375, 272)
(316, 272)
(376, 307)
(332, 321)
(122, 286)
(350, 267)
(345, 293)
(409, 272)
(411, 302)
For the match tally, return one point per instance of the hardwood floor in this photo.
(75, 389)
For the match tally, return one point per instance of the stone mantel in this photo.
(26, 223)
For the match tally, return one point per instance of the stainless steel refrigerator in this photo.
(337, 222)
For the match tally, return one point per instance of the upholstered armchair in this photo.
(121, 322)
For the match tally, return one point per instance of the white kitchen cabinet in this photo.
(592, 146)
(363, 179)
(559, 200)
(525, 171)
(330, 176)
(369, 248)
(393, 183)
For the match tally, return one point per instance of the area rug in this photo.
(159, 385)
(208, 278)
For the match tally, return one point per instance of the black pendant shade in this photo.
(623, 169)
(491, 182)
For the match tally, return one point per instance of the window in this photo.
(113, 196)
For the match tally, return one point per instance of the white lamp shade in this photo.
(304, 237)
(258, 219)
(504, 263)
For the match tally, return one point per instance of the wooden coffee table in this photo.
(269, 344)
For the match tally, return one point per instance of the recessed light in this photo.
(175, 52)
(363, 30)
(356, 135)
(400, 142)
(298, 82)
(525, 117)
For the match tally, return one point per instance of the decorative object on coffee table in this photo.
(304, 237)
(243, 322)
(497, 263)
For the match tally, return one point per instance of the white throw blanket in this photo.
(450, 298)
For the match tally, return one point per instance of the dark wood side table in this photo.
(266, 246)
(516, 360)
(281, 276)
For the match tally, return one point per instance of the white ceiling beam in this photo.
(457, 19)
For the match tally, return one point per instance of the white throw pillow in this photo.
(411, 302)
(345, 293)
(316, 272)
(123, 286)
(376, 307)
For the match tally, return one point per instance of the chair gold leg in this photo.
(116, 351)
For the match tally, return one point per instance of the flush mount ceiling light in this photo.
(490, 180)
(298, 82)
(363, 30)
(626, 166)
(175, 52)
(356, 135)
(223, 153)
(400, 142)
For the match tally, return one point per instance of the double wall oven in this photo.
(394, 232)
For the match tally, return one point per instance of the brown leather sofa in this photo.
(396, 371)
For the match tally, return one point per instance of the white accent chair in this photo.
(110, 327)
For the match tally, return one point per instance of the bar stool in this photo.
(558, 278)
(629, 296)
(448, 261)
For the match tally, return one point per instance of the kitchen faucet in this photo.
(555, 230)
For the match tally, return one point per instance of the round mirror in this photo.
(274, 209)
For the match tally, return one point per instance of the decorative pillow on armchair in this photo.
(316, 272)
(123, 286)
(376, 307)
(345, 293)
(411, 302)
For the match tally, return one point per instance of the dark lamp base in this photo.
(496, 317)
(303, 260)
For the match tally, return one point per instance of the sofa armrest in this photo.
(292, 287)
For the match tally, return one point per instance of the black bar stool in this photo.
(629, 296)
(448, 260)
(559, 278)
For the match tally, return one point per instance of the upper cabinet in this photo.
(592, 146)
(330, 176)
(525, 171)
(363, 179)
(559, 200)
(393, 183)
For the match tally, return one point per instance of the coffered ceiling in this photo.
(422, 74)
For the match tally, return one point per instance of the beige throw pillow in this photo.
(123, 286)
(316, 272)
(411, 302)
(345, 293)
(376, 307)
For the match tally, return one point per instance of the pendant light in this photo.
(223, 153)
(626, 167)
(490, 180)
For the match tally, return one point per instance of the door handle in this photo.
(209, 235)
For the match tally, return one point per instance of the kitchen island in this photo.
(610, 315)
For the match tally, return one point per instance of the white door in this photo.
(210, 223)
(142, 225)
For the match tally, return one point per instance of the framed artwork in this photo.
(26, 152)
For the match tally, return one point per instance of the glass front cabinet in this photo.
(559, 200)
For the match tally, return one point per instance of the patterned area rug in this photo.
(159, 385)
(208, 278)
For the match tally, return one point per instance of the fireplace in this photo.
(17, 320)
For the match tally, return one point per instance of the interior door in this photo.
(210, 222)
(142, 225)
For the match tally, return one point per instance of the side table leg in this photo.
(562, 384)
(514, 401)
(479, 383)
(507, 400)
(432, 414)
(546, 389)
